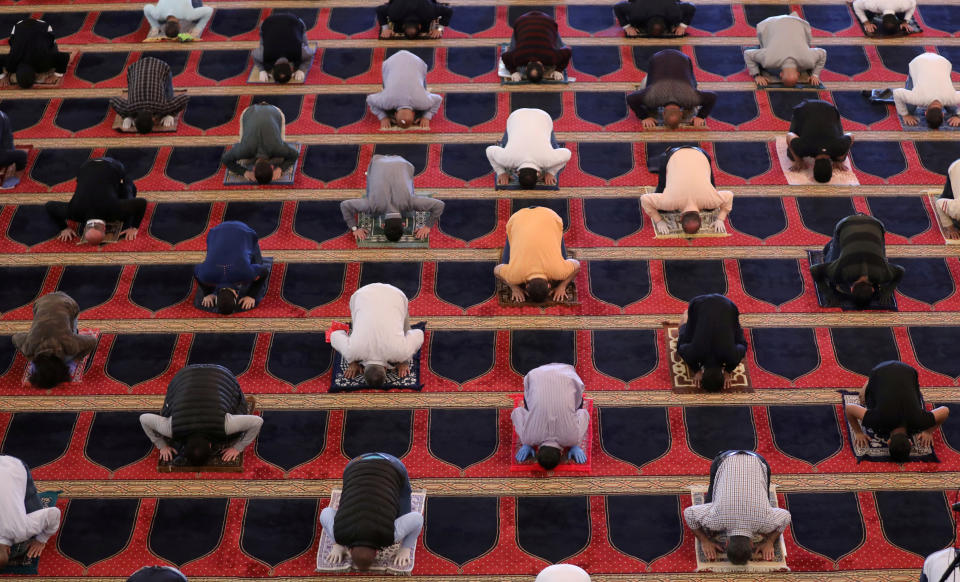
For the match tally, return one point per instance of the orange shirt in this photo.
(535, 236)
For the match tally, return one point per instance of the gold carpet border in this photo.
(833, 576)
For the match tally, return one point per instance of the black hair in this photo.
(822, 170)
(393, 229)
(263, 171)
(862, 292)
(739, 550)
(712, 380)
(549, 457)
(656, 26)
(26, 76)
(48, 371)
(171, 29)
(411, 29)
(226, 301)
(900, 446)
(535, 72)
(538, 290)
(889, 24)
(282, 72)
(197, 450)
(934, 115)
(375, 375)
(527, 178)
(143, 121)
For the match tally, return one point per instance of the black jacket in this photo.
(369, 504)
(712, 335)
(103, 191)
(199, 397)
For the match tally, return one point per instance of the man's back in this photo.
(785, 30)
(893, 399)
(535, 236)
(670, 65)
(859, 251)
(389, 183)
(282, 35)
(262, 130)
(146, 81)
(741, 501)
(528, 131)
(98, 185)
(816, 118)
(378, 333)
(712, 332)
(688, 173)
(231, 246)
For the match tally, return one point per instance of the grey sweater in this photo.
(785, 42)
(390, 192)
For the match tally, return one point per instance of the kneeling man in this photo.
(404, 100)
(711, 340)
(670, 84)
(816, 132)
(24, 517)
(53, 342)
(686, 185)
(528, 151)
(536, 45)
(552, 417)
(233, 272)
(534, 257)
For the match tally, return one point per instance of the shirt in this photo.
(643, 10)
(785, 42)
(817, 125)
(936, 565)
(404, 87)
(562, 573)
(552, 414)
(670, 79)
(17, 525)
(741, 501)
(535, 38)
(535, 236)
(948, 203)
(31, 41)
(905, 7)
(261, 136)
(687, 187)
(150, 88)
(53, 331)
(180, 9)
(528, 145)
(712, 335)
(104, 192)
(857, 249)
(379, 334)
(893, 400)
(159, 428)
(233, 256)
(930, 75)
(390, 193)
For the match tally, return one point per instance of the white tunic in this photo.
(528, 145)
(930, 74)
(16, 525)
(379, 313)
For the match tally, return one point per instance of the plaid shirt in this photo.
(150, 87)
(741, 502)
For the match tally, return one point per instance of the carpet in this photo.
(845, 177)
(682, 379)
(877, 449)
(412, 381)
(566, 465)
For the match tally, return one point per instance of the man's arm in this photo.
(854, 414)
(406, 529)
(350, 208)
(556, 160)
(327, 517)
(157, 428)
(435, 101)
(821, 60)
(133, 211)
(413, 340)
(519, 419)
(707, 101)
(583, 424)
(752, 58)
(307, 53)
(497, 157)
(230, 158)
(896, 274)
(427, 204)
(289, 155)
(44, 522)
(340, 341)
(376, 107)
(650, 203)
(908, 15)
(859, 11)
(726, 204)
(905, 101)
(248, 424)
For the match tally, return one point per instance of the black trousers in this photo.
(719, 459)
(441, 13)
(57, 61)
(623, 13)
(18, 157)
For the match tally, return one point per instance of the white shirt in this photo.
(379, 313)
(930, 74)
(905, 7)
(949, 210)
(179, 9)
(16, 525)
(563, 573)
(936, 564)
(528, 145)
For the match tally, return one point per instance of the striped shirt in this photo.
(535, 38)
(741, 501)
(149, 87)
(552, 414)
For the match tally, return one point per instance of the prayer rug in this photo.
(708, 225)
(215, 464)
(515, 185)
(412, 381)
(877, 20)
(566, 465)
(775, 84)
(922, 123)
(376, 239)
(395, 127)
(681, 378)
(933, 195)
(160, 36)
(157, 126)
(198, 295)
(44, 80)
(879, 95)
(19, 563)
(505, 79)
(721, 564)
(285, 178)
(845, 177)
(827, 298)
(505, 299)
(254, 77)
(77, 368)
(385, 557)
(877, 449)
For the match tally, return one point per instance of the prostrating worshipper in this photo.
(855, 262)
(12, 161)
(928, 86)
(33, 52)
(103, 194)
(534, 265)
(53, 342)
(404, 101)
(948, 203)
(563, 573)
(738, 504)
(537, 47)
(150, 96)
(895, 15)
(552, 417)
(284, 51)
(261, 140)
(654, 17)
(157, 574)
(390, 195)
(670, 84)
(374, 513)
(528, 150)
(816, 132)
(711, 341)
(204, 408)
(380, 337)
(233, 273)
(24, 519)
(686, 185)
(177, 17)
(937, 566)
(413, 18)
(893, 409)
(785, 48)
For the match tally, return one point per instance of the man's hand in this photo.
(403, 369)
(699, 122)
(814, 80)
(525, 452)
(761, 81)
(353, 370)
(631, 31)
(954, 121)
(299, 76)
(516, 77)
(423, 122)
(765, 551)
(910, 120)
(861, 440)
(67, 234)
(559, 293)
(167, 121)
(263, 76)
(403, 558)
(127, 123)
(209, 300)
(503, 179)
(386, 31)
(662, 227)
(869, 27)
(386, 123)
(710, 548)
(952, 233)
(720, 227)
(422, 232)
(905, 26)
(230, 454)
(556, 76)
(360, 234)
(277, 172)
(129, 234)
(337, 554)
(577, 455)
(247, 302)
(35, 548)
(436, 32)
(839, 165)
(798, 165)
(167, 453)
(517, 294)
(249, 175)
(924, 439)
(698, 377)
(154, 32)
(648, 123)
(549, 179)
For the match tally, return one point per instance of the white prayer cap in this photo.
(563, 573)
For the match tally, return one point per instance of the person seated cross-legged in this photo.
(855, 262)
(686, 185)
(33, 51)
(24, 519)
(895, 15)
(536, 45)
(53, 342)
(204, 407)
(670, 84)
(552, 417)
(380, 337)
(948, 203)
(374, 513)
(404, 101)
(168, 17)
(150, 96)
(738, 504)
(528, 150)
(262, 132)
(535, 267)
(929, 85)
(816, 132)
(654, 17)
(390, 195)
(103, 194)
(711, 340)
(785, 50)
(13, 162)
(892, 406)
(413, 18)
(284, 51)
(233, 273)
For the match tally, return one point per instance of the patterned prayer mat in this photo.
(505, 300)
(877, 449)
(339, 383)
(376, 239)
(681, 378)
(215, 464)
(708, 225)
(77, 368)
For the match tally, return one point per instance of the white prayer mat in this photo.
(933, 195)
(844, 177)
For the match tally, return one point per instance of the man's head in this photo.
(26, 76)
(48, 371)
(900, 447)
(528, 178)
(538, 290)
(405, 117)
(656, 26)
(363, 557)
(197, 450)
(172, 27)
(862, 292)
(712, 380)
(822, 169)
(143, 121)
(263, 171)
(94, 231)
(889, 24)
(535, 71)
(789, 76)
(393, 229)
(374, 375)
(934, 115)
(548, 457)
(672, 115)
(690, 221)
(411, 29)
(226, 300)
(282, 71)
(739, 550)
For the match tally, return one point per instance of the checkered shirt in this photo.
(150, 87)
(741, 503)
